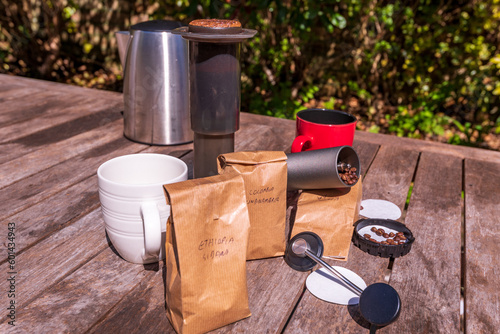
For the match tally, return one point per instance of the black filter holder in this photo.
(380, 305)
(377, 249)
(304, 263)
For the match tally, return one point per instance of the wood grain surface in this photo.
(53, 137)
(482, 272)
(428, 278)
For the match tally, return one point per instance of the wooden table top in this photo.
(61, 274)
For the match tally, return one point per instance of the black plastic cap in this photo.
(156, 25)
(376, 249)
(380, 304)
(304, 263)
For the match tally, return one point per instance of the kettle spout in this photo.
(122, 39)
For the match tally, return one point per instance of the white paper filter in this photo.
(378, 208)
(326, 286)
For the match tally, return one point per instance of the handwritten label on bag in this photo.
(207, 247)
(262, 191)
(326, 198)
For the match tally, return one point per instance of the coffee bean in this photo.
(367, 236)
(391, 235)
(373, 229)
(386, 235)
(347, 173)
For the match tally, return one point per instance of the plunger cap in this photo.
(380, 304)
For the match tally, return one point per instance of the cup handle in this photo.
(299, 142)
(152, 230)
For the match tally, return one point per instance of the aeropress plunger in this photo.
(215, 89)
(379, 303)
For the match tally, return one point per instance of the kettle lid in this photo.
(156, 25)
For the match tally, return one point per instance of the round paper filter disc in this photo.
(378, 208)
(326, 286)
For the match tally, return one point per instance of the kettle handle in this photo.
(122, 40)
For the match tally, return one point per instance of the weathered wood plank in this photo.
(273, 290)
(265, 133)
(429, 146)
(31, 190)
(18, 81)
(19, 97)
(482, 267)
(57, 152)
(60, 132)
(366, 152)
(76, 302)
(428, 278)
(389, 178)
(39, 103)
(56, 113)
(56, 256)
(390, 175)
(140, 311)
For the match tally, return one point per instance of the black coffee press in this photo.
(379, 303)
(214, 91)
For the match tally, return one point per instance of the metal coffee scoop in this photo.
(379, 303)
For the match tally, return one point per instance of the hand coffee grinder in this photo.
(214, 91)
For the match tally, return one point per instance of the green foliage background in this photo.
(417, 68)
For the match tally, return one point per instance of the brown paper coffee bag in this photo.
(265, 176)
(207, 237)
(330, 213)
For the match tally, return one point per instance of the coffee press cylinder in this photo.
(214, 100)
(215, 91)
(318, 169)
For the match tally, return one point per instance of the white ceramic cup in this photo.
(133, 203)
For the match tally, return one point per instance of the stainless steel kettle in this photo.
(156, 86)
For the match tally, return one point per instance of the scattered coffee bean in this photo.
(385, 235)
(367, 236)
(391, 235)
(373, 229)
